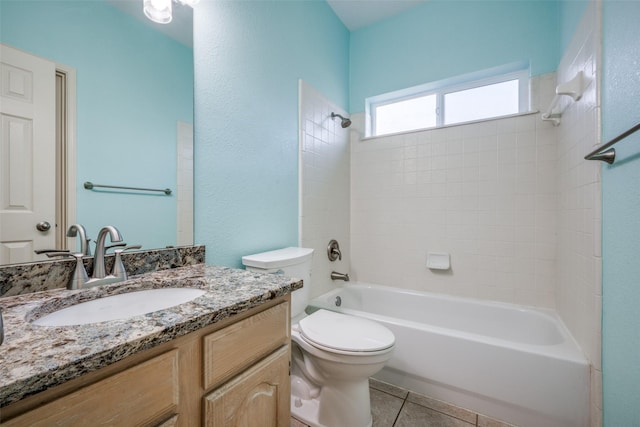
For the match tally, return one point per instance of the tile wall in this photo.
(485, 193)
(579, 258)
(324, 185)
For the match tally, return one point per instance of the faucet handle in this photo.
(118, 265)
(59, 252)
(52, 253)
(126, 248)
(115, 245)
(80, 276)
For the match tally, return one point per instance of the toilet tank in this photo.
(291, 262)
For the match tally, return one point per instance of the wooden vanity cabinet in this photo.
(232, 373)
(257, 394)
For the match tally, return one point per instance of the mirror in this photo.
(134, 111)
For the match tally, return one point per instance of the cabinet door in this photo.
(257, 397)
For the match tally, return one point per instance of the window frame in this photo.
(439, 100)
(444, 87)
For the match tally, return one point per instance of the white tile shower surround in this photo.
(324, 185)
(511, 199)
(483, 192)
(579, 257)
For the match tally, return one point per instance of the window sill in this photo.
(509, 116)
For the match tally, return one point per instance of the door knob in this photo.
(43, 226)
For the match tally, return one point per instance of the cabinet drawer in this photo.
(228, 351)
(141, 395)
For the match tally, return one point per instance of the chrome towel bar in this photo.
(90, 185)
(607, 154)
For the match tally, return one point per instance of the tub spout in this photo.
(339, 276)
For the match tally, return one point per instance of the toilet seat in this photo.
(344, 334)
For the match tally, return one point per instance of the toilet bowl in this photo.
(333, 354)
(333, 357)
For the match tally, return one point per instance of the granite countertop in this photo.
(34, 358)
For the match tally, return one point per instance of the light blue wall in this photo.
(441, 39)
(621, 215)
(249, 56)
(133, 84)
(571, 12)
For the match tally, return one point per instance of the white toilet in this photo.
(333, 354)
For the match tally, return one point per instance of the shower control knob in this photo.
(333, 251)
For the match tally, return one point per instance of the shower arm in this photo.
(345, 122)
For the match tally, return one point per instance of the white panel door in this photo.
(27, 155)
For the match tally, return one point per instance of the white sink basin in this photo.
(120, 306)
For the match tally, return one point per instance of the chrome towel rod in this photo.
(607, 154)
(90, 185)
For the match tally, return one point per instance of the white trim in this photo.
(300, 158)
(71, 147)
(526, 113)
(184, 183)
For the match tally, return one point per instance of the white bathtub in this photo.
(516, 364)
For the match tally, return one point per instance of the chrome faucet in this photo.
(339, 276)
(80, 279)
(99, 268)
(80, 231)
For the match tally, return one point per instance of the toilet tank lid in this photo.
(278, 258)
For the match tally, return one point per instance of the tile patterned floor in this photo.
(392, 406)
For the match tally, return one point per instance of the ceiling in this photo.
(360, 13)
(353, 13)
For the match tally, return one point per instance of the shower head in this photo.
(345, 122)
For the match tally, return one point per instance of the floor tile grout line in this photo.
(401, 407)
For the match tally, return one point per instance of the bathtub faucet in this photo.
(339, 276)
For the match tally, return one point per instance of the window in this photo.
(498, 99)
(413, 113)
(449, 102)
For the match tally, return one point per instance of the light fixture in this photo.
(190, 3)
(160, 10)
